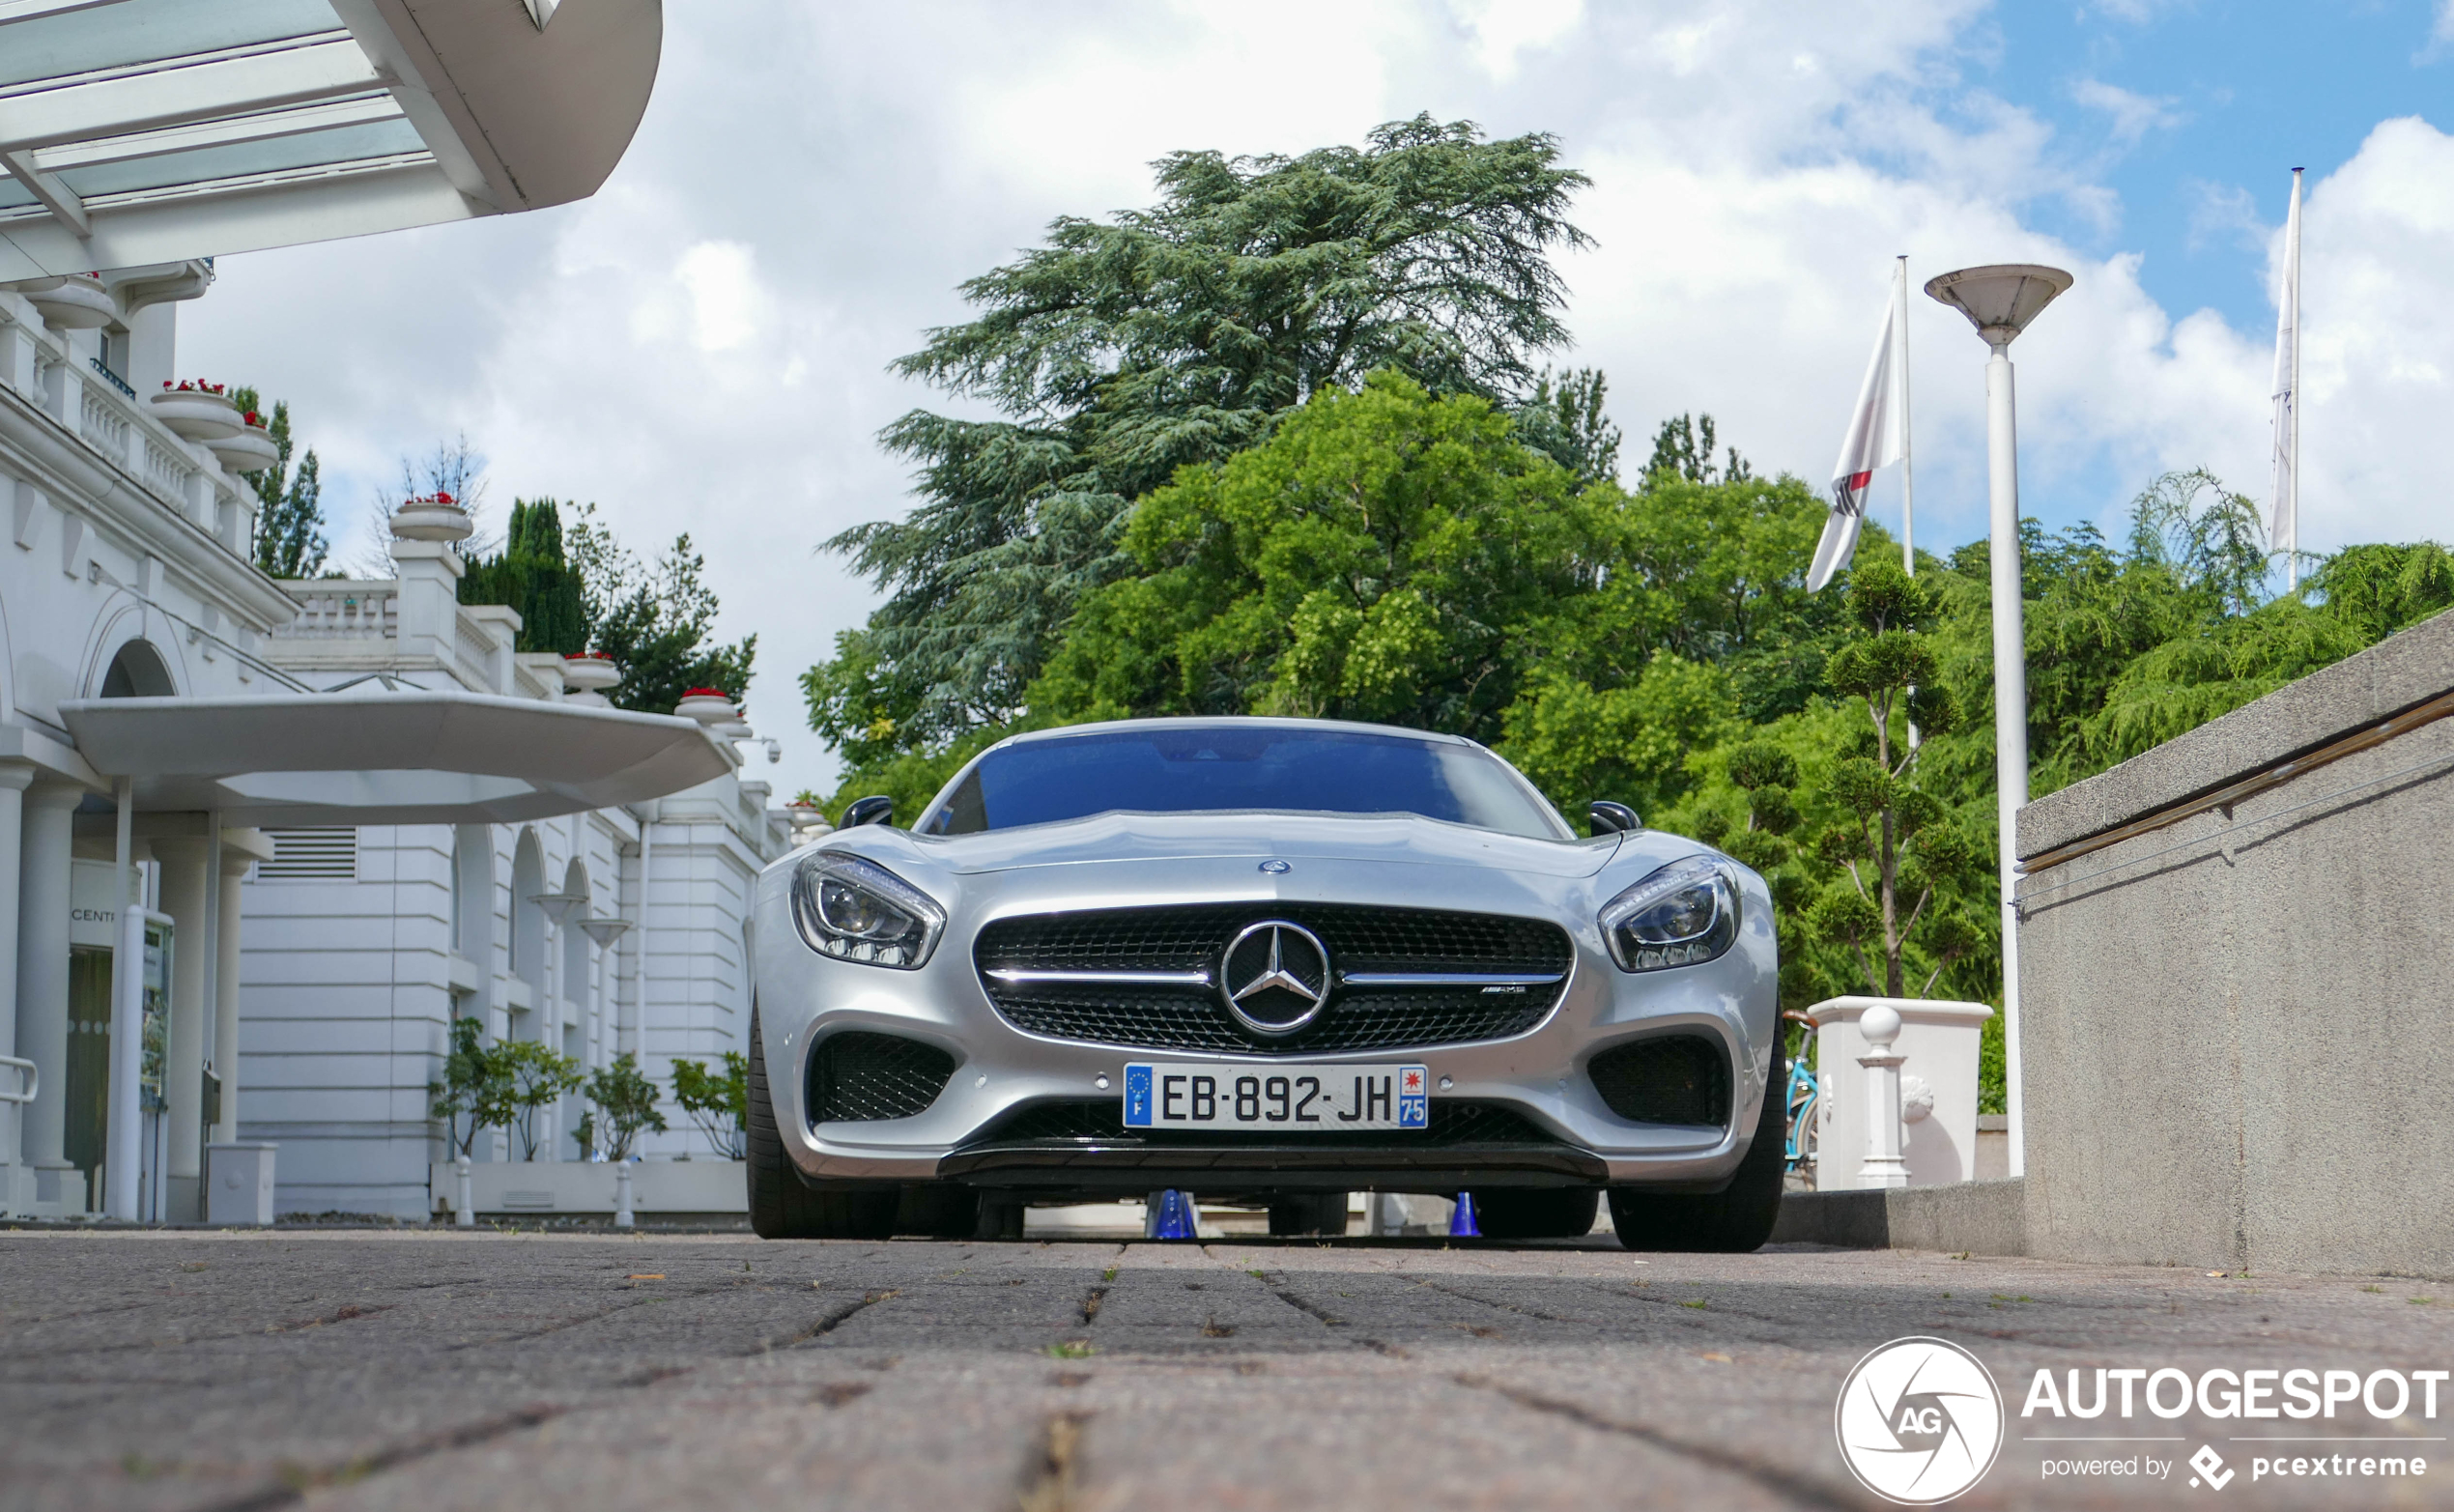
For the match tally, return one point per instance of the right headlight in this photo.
(1683, 914)
(857, 910)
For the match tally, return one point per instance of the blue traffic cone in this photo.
(1461, 1221)
(1176, 1216)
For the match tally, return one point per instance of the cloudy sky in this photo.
(702, 346)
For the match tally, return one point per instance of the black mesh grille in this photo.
(1674, 1079)
(858, 1077)
(1359, 939)
(1102, 1120)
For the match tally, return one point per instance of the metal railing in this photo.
(117, 381)
(33, 1079)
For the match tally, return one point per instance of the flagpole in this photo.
(1909, 484)
(2292, 562)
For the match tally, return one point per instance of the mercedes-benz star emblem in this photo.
(1275, 977)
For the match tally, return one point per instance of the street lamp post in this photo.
(1999, 300)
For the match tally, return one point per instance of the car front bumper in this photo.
(1540, 1075)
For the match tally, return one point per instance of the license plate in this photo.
(1283, 1099)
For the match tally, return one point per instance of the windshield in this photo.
(1215, 768)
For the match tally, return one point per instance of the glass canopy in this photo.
(144, 132)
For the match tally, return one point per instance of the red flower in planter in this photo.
(255, 419)
(706, 693)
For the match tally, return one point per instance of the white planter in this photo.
(708, 711)
(588, 674)
(76, 303)
(251, 450)
(586, 1188)
(1938, 1040)
(195, 414)
(432, 522)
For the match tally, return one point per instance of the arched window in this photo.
(137, 672)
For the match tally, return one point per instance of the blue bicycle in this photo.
(1804, 1093)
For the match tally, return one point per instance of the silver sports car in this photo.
(1270, 961)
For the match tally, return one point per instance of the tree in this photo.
(536, 1077)
(290, 526)
(717, 1103)
(1379, 557)
(1897, 837)
(532, 575)
(656, 622)
(475, 1086)
(576, 588)
(1122, 350)
(628, 1099)
(1564, 419)
(1683, 449)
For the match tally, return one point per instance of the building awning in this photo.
(142, 132)
(409, 757)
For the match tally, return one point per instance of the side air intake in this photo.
(1673, 1079)
(858, 1077)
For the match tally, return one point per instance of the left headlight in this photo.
(857, 910)
(1683, 914)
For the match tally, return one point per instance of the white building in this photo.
(260, 841)
(609, 931)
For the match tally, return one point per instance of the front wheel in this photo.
(782, 1206)
(1734, 1220)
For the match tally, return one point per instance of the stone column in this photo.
(42, 976)
(235, 863)
(13, 780)
(185, 862)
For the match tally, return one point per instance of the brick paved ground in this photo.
(433, 1370)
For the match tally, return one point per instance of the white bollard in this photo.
(622, 1196)
(464, 1208)
(1880, 1025)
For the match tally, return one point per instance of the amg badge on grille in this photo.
(1275, 977)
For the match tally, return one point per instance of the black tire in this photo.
(782, 1206)
(938, 1210)
(1296, 1214)
(1733, 1221)
(1565, 1212)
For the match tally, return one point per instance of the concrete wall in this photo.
(2231, 1024)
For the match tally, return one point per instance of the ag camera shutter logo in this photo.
(1918, 1422)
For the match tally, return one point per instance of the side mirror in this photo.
(1609, 818)
(879, 810)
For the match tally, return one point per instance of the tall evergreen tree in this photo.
(290, 540)
(532, 575)
(1125, 349)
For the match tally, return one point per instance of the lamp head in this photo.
(1999, 300)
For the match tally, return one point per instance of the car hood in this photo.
(1397, 839)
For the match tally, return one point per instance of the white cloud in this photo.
(1503, 29)
(2130, 114)
(2440, 35)
(703, 346)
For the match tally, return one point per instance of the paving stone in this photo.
(212, 1373)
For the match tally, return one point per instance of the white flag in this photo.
(2283, 523)
(1874, 441)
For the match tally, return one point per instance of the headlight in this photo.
(857, 910)
(1683, 914)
